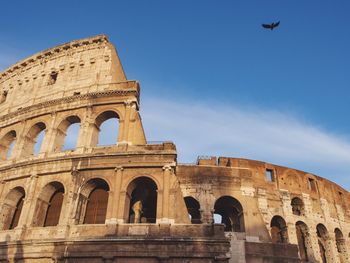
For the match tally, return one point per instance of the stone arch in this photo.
(279, 230)
(93, 202)
(98, 129)
(7, 143)
(63, 134)
(12, 208)
(141, 201)
(231, 212)
(31, 140)
(193, 208)
(49, 205)
(292, 179)
(341, 246)
(324, 243)
(297, 206)
(304, 242)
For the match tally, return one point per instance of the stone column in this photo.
(206, 199)
(118, 176)
(21, 141)
(167, 172)
(88, 131)
(49, 139)
(29, 204)
(2, 187)
(123, 136)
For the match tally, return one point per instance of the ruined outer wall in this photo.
(246, 181)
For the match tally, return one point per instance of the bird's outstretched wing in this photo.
(276, 24)
(266, 26)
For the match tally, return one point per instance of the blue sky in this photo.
(213, 80)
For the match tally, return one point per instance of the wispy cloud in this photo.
(223, 130)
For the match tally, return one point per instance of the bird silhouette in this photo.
(271, 26)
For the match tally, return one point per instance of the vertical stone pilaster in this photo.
(118, 178)
(2, 187)
(19, 149)
(124, 128)
(28, 209)
(88, 130)
(167, 172)
(48, 143)
(114, 197)
(207, 200)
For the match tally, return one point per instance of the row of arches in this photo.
(92, 203)
(279, 234)
(66, 137)
(227, 211)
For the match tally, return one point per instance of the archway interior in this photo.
(193, 208)
(231, 212)
(97, 202)
(279, 233)
(70, 129)
(12, 208)
(108, 124)
(54, 209)
(36, 137)
(304, 243)
(297, 206)
(143, 203)
(323, 237)
(7, 144)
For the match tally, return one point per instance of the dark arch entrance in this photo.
(193, 208)
(143, 201)
(231, 212)
(279, 232)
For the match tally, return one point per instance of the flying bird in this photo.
(271, 26)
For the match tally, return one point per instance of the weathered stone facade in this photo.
(131, 201)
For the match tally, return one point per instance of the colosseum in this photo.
(131, 201)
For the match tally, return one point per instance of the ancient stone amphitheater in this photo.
(131, 201)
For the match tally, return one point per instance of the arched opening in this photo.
(231, 212)
(107, 125)
(142, 201)
(304, 242)
(6, 145)
(34, 139)
(341, 245)
(323, 243)
(12, 208)
(49, 205)
(279, 230)
(67, 134)
(297, 206)
(93, 202)
(193, 208)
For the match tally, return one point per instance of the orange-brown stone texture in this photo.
(131, 201)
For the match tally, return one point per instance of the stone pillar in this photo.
(124, 128)
(116, 200)
(207, 200)
(88, 130)
(49, 139)
(124, 206)
(29, 204)
(167, 172)
(19, 149)
(292, 235)
(2, 187)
